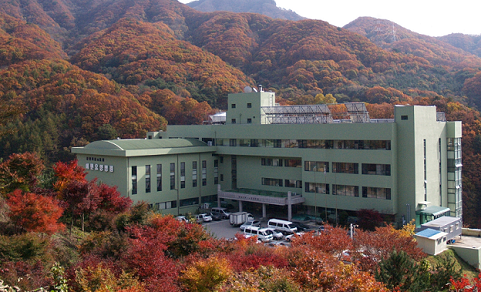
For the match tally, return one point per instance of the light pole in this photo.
(351, 229)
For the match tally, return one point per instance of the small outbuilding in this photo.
(432, 241)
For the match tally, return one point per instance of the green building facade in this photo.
(298, 158)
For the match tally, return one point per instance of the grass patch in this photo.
(460, 264)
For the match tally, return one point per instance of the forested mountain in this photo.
(264, 7)
(469, 43)
(81, 70)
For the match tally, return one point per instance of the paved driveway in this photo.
(221, 229)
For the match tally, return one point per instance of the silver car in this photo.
(250, 223)
(203, 218)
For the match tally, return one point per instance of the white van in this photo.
(281, 225)
(263, 234)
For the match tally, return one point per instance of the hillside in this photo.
(264, 7)
(81, 70)
(468, 43)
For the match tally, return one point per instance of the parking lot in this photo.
(223, 229)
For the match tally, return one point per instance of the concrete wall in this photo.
(471, 255)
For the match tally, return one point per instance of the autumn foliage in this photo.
(35, 213)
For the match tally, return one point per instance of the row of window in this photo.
(314, 144)
(281, 162)
(337, 167)
(352, 191)
(182, 203)
(275, 182)
(172, 176)
(323, 188)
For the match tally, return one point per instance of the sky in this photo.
(433, 18)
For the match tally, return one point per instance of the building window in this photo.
(204, 172)
(342, 167)
(194, 174)
(292, 183)
(216, 171)
(189, 202)
(172, 176)
(341, 190)
(425, 173)
(273, 143)
(233, 105)
(271, 161)
(159, 177)
(376, 169)
(134, 180)
(404, 118)
(249, 105)
(272, 182)
(321, 166)
(376, 193)
(182, 175)
(316, 188)
(147, 178)
(293, 163)
(165, 205)
(233, 121)
(249, 120)
(221, 177)
(232, 142)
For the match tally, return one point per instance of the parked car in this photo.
(216, 216)
(263, 234)
(204, 217)
(182, 219)
(250, 223)
(222, 211)
(281, 225)
(301, 226)
(276, 234)
(290, 236)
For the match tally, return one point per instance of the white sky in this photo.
(429, 17)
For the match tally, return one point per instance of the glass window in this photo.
(134, 180)
(376, 193)
(182, 175)
(147, 178)
(376, 169)
(194, 174)
(272, 182)
(342, 190)
(172, 176)
(343, 167)
(204, 172)
(159, 177)
(321, 166)
(316, 188)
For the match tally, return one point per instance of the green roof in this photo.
(434, 210)
(140, 144)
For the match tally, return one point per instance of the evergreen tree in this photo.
(401, 271)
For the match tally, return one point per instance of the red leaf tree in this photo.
(34, 212)
(66, 173)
